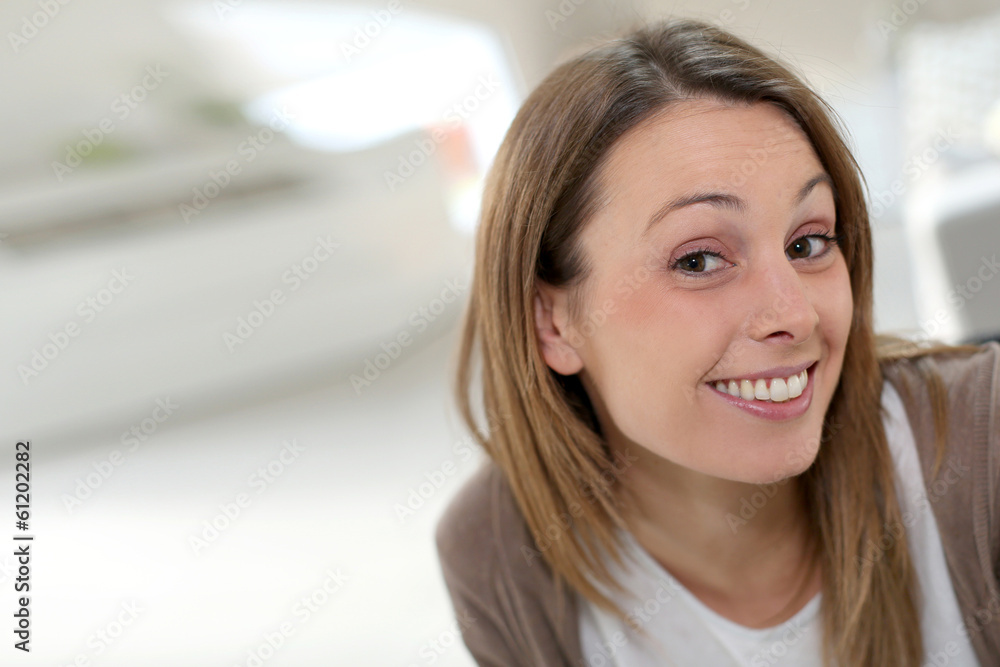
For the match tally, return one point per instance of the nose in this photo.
(782, 309)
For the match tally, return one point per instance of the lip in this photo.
(783, 411)
(767, 374)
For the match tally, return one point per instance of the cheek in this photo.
(837, 303)
(658, 328)
(652, 351)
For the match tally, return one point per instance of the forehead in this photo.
(704, 143)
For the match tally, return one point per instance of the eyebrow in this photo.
(725, 201)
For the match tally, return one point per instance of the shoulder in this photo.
(470, 530)
(467, 537)
(962, 479)
(969, 382)
(466, 524)
(482, 537)
(514, 609)
(961, 373)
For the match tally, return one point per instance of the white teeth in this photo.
(760, 391)
(779, 390)
(794, 386)
(776, 390)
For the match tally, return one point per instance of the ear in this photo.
(553, 331)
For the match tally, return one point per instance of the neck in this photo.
(746, 550)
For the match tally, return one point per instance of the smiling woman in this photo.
(699, 441)
(716, 263)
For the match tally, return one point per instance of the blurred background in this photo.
(235, 245)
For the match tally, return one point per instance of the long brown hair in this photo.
(539, 195)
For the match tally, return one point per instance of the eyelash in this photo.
(832, 240)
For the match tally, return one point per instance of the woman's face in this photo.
(709, 264)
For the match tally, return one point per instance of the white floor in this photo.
(117, 580)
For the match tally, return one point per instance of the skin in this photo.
(653, 333)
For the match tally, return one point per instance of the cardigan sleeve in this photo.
(468, 557)
(967, 512)
(522, 615)
(993, 433)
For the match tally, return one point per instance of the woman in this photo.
(695, 437)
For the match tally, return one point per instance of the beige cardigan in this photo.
(517, 614)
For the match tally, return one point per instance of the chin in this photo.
(773, 464)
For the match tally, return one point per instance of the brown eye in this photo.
(700, 263)
(694, 263)
(799, 248)
(812, 245)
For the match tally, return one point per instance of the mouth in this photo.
(774, 399)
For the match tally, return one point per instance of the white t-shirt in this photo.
(683, 631)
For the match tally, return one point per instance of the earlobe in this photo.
(553, 332)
